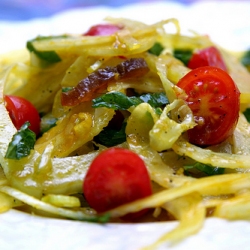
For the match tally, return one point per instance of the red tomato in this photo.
(102, 30)
(213, 97)
(115, 177)
(21, 111)
(207, 57)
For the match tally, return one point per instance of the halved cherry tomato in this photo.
(102, 30)
(21, 111)
(213, 97)
(210, 56)
(115, 177)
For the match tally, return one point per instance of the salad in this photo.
(126, 123)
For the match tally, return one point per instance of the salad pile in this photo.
(126, 122)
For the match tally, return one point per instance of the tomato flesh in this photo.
(102, 30)
(115, 177)
(21, 111)
(207, 57)
(213, 98)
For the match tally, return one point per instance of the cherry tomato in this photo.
(102, 30)
(207, 57)
(21, 111)
(213, 97)
(115, 177)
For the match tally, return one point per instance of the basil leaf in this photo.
(155, 100)
(205, 169)
(110, 137)
(158, 111)
(247, 114)
(245, 60)
(119, 101)
(66, 89)
(183, 55)
(116, 101)
(156, 49)
(47, 122)
(48, 56)
(22, 143)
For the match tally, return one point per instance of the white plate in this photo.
(227, 24)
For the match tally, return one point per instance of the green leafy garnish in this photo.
(247, 114)
(104, 218)
(66, 89)
(116, 101)
(119, 101)
(183, 55)
(155, 100)
(22, 143)
(156, 49)
(48, 56)
(245, 60)
(47, 122)
(200, 168)
(110, 137)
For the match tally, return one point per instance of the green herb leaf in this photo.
(155, 99)
(47, 122)
(245, 60)
(98, 218)
(158, 111)
(116, 101)
(247, 114)
(183, 55)
(22, 143)
(66, 89)
(205, 169)
(110, 137)
(119, 101)
(48, 56)
(156, 49)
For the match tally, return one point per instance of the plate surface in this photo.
(226, 23)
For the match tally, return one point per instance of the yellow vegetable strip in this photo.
(166, 131)
(6, 202)
(61, 200)
(206, 156)
(138, 126)
(168, 86)
(191, 216)
(77, 215)
(237, 207)
(222, 184)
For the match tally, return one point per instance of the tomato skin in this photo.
(115, 177)
(21, 111)
(102, 30)
(207, 57)
(214, 99)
